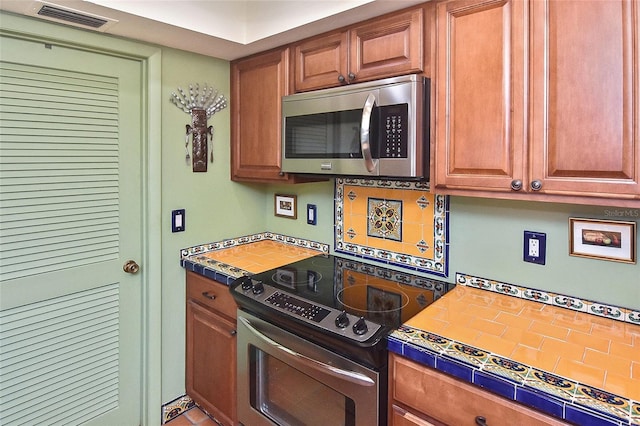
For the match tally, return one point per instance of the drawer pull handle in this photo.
(481, 421)
(209, 295)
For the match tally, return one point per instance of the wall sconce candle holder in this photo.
(201, 106)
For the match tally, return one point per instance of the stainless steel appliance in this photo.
(312, 340)
(378, 128)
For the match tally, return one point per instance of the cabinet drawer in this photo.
(210, 293)
(454, 402)
(401, 417)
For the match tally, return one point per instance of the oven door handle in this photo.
(351, 376)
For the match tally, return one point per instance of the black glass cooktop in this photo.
(317, 287)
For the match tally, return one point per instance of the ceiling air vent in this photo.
(70, 16)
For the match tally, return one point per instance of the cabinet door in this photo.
(320, 62)
(585, 113)
(257, 84)
(479, 119)
(387, 47)
(211, 362)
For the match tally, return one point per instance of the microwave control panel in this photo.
(393, 121)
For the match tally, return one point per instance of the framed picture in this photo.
(285, 206)
(603, 239)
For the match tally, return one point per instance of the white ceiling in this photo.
(226, 29)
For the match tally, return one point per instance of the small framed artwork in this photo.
(603, 239)
(285, 206)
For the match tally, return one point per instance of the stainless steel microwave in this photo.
(376, 129)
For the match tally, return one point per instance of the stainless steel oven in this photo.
(286, 380)
(312, 340)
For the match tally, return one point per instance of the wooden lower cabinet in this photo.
(211, 348)
(422, 396)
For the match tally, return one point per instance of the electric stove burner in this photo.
(383, 306)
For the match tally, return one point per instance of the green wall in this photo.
(486, 240)
(216, 208)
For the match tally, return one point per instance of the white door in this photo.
(70, 217)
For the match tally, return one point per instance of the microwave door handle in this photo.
(351, 376)
(365, 133)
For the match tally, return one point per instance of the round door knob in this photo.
(351, 76)
(516, 184)
(341, 78)
(131, 267)
(536, 185)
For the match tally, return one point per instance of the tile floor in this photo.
(194, 416)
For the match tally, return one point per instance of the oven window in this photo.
(290, 398)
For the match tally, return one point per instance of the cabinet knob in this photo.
(281, 173)
(209, 295)
(536, 185)
(352, 76)
(341, 78)
(481, 421)
(516, 184)
(233, 332)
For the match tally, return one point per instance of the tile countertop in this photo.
(226, 260)
(582, 367)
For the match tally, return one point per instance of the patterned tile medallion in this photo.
(384, 219)
(395, 222)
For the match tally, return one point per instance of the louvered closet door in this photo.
(70, 215)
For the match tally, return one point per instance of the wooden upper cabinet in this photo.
(379, 48)
(559, 123)
(320, 61)
(479, 89)
(585, 114)
(257, 85)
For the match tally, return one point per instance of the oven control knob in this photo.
(360, 327)
(246, 283)
(342, 320)
(258, 288)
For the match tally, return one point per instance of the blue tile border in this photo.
(556, 396)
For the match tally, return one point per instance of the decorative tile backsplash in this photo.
(394, 222)
(572, 303)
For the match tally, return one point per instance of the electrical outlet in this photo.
(535, 247)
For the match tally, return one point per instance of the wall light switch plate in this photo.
(535, 247)
(312, 216)
(177, 220)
